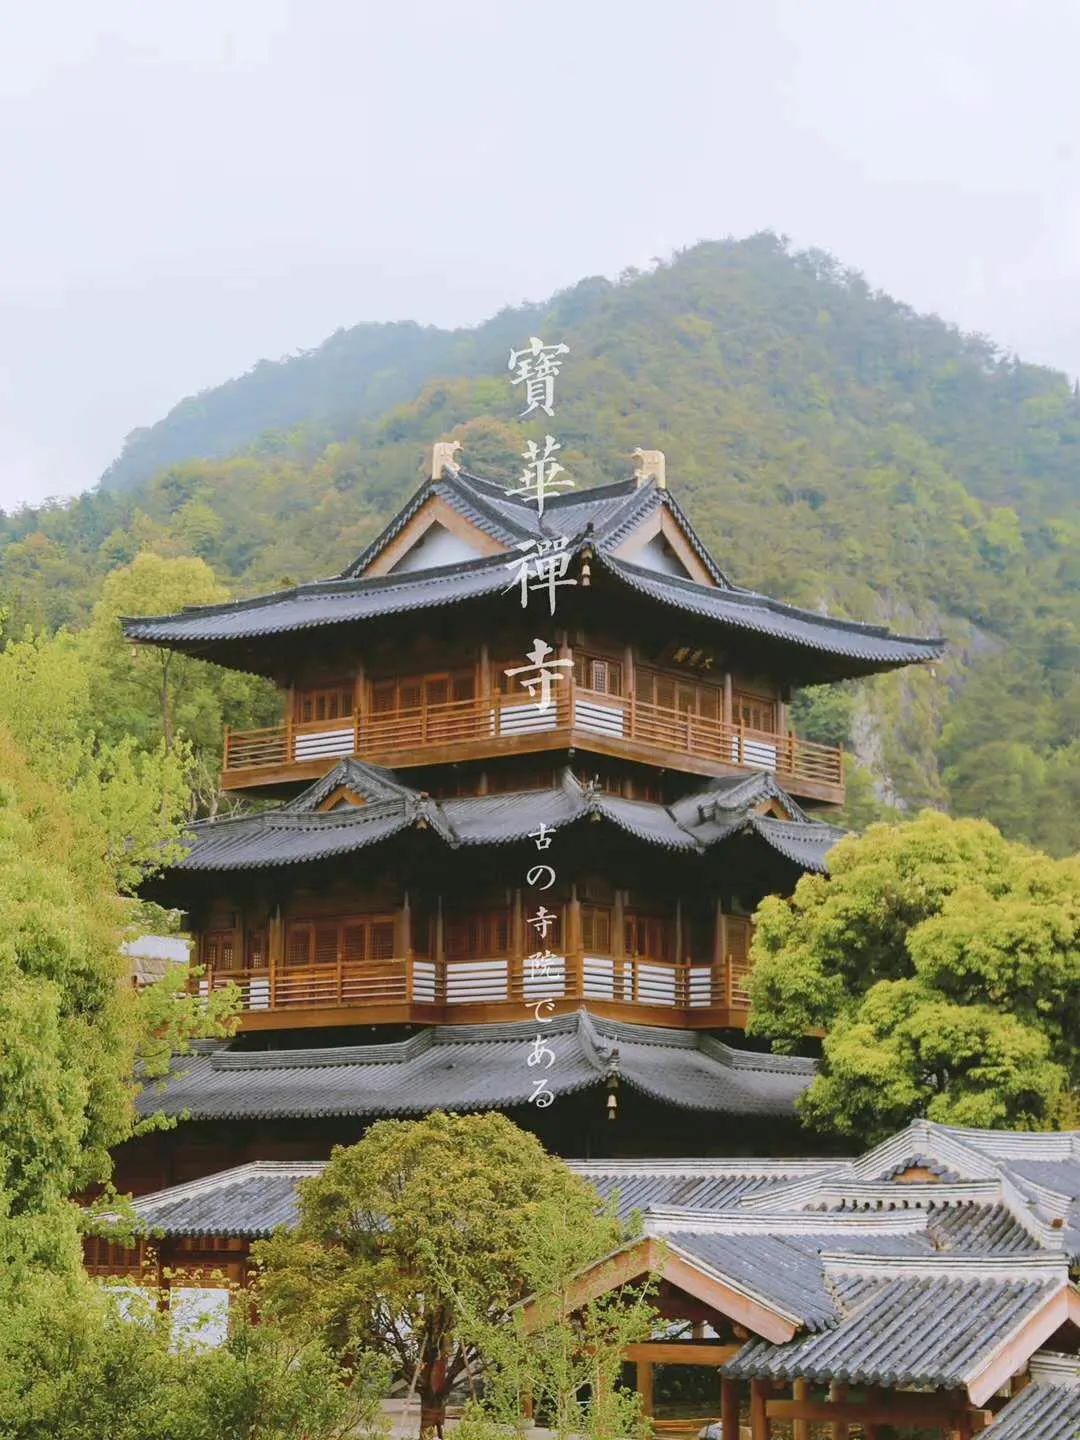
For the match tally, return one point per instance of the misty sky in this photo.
(190, 187)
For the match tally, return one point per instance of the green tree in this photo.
(942, 964)
(557, 1356)
(410, 1226)
(71, 1027)
(150, 695)
(74, 1367)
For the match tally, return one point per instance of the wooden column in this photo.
(572, 938)
(438, 951)
(721, 968)
(484, 672)
(573, 944)
(760, 1429)
(800, 1429)
(618, 943)
(728, 701)
(358, 704)
(645, 1386)
(841, 1430)
(403, 938)
(729, 1409)
(516, 978)
(275, 950)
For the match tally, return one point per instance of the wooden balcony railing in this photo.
(486, 989)
(507, 724)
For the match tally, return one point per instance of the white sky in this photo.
(190, 187)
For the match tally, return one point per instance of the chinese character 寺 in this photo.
(542, 673)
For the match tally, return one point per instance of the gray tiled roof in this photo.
(933, 1322)
(707, 1185)
(299, 832)
(600, 519)
(786, 1270)
(1048, 1408)
(479, 1067)
(1034, 1177)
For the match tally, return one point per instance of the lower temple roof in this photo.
(299, 831)
(480, 1067)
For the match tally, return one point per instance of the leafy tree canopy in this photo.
(72, 1367)
(942, 964)
(419, 1226)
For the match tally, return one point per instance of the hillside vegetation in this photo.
(834, 448)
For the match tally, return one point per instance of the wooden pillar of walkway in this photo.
(800, 1429)
(729, 1409)
(760, 1429)
(645, 1387)
(841, 1430)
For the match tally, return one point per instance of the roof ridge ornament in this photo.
(442, 458)
(651, 465)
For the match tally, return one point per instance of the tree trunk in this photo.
(166, 705)
(434, 1389)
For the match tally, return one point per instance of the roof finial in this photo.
(442, 458)
(650, 466)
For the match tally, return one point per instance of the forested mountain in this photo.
(835, 449)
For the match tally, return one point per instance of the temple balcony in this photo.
(473, 972)
(622, 726)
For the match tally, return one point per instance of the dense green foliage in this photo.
(73, 1368)
(83, 819)
(942, 963)
(833, 447)
(421, 1231)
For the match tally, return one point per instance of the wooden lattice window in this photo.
(753, 711)
(422, 691)
(596, 929)
(686, 697)
(477, 936)
(255, 949)
(359, 938)
(220, 951)
(597, 673)
(333, 702)
(650, 936)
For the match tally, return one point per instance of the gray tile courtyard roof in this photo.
(904, 1322)
(599, 520)
(1046, 1409)
(480, 1067)
(298, 832)
(1032, 1177)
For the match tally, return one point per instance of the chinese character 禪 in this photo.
(545, 569)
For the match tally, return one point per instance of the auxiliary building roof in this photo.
(299, 831)
(1046, 1409)
(598, 521)
(866, 1297)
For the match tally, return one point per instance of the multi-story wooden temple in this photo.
(378, 919)
(534, 774)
